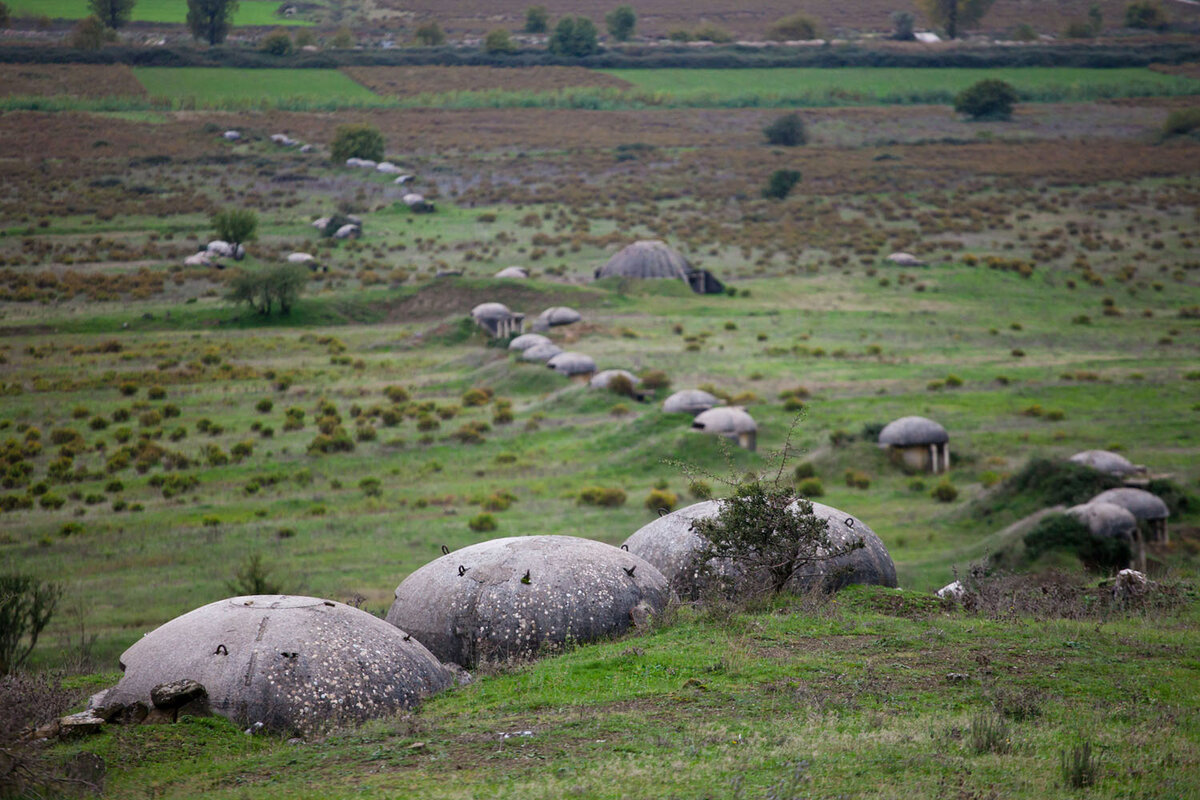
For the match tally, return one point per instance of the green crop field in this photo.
(216, 87)
(250, 12)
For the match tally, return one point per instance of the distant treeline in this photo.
(722, 57)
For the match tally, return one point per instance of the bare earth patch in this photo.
(75, 80)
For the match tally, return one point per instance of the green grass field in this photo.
(250, 12)
(216, 87)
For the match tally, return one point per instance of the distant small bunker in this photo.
(576, 366)
(496, 319)
(1109, 521)
(1150, 511)
(690, 401)
(554, 316)
(651, 259)
(541, 352)
(1105, 461)
(517, 596)
(291, 663)
(528, 340)
(671, 544)
(731, 422)
(602, 379)
(905, 260)
(918, 443)
(513, 272)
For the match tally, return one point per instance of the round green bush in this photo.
(988, 99)
(356, 140)
(481, 523)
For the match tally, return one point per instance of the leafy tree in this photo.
(26, 606)
(4, 15)
(902, 26)
(537, 19)
(211, 20)
(498, 41)
(574, 37)
(780, 183)
(235, 225)
(356, 140)
(621, 21)
(343, 39)
(988, 99)
(268, 289)
(113, 13)
(951, 15)
(1064, 532)
(1096, 19)
(786, 131)
(89, 34)
(305, 38)
(1146, 14)
(793, 27)
(277, 43)
(431, 34)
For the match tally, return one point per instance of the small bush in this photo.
(990, 733)
(661, 499)
(810, 487)
(602, 496)
(371, 487)
(619, 384)
(356, 140)
(476, 397)
(786, 131)
(537, 19)
(944, 492)
(90, 34)
(431, 35)
(264, 406)
(712, 33)
(574, 37)
(1181, 121)
(781, 183)
(655, 379)
(804, 469)
(794, 27)
(277, 43)
(499, 42)
(701, 490)
(621, 22)
(1147, 15)
(481, 523)
(857, 480)
(1080, 768)
(987, 99)
(397, 394)
(902, 26)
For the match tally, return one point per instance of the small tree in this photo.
(431, 34)
(574, 37)
(343, 39)
(786, 131)
(989, 99)
(277, 43)
(902, 26)
(211, 20)
(792, 28)
(781, 183)
(305, 38)
(356, 140)
(5, 15)
(267, 289)
(1096, 19)
(235, 225)
(113, 13)
(498, 41)
(951, 15)
(1146, 14)
(253, 577)
(621, 22)
(89, 34)
(537, 19)
(26, 606)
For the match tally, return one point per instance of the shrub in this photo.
(987, 99)
(128, 388)
(476, 397)
(253, 577)
(786, 131)
(277, 43)
(1080, 768)
(621, 22)
(537, 19)
(241, 450)
(655, 379)
(619, 384)
(371, 487)
(356, 140)
(810, 487)
(574, 37)
(792, 28)
(264, 406)
(602, 496)
(90, 34)
(944, 491)
(712, 33)
(990, 733)
(780, 183)
(1146, 14)
(857, 480)
(661, 499)
(1024, 33)
(498, 41)
(156, 393)
(1064, 532)
(431, 35)
(1078, 29)
(481, 523)
(902, 26)
(1181, 121)
(343, 39)
(397, 394)
(265, 289)
(26, 606)
(235, 225)
(498, 501)
(4, 15)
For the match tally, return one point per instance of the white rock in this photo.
(200, 259)
(403, 179)
(300, 258)
(905, 260)
(220, 248)
(388, 168)
(320, 223)
(952, 591)
(231, 136)
(308, 148)
(413, 199)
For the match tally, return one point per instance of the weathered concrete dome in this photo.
(905, 260)
(1139, 502)
(671, 544)
(646, 259)
(541, 352)
(513, 272)
(1104, 461)
(292, 663)
(908, 431)
(571, 363)
(515, 596)
(555, 316)
(528, 340)
(491, 311)
(1105, 520)
(725, 421)
(601, 379)
(690, 401)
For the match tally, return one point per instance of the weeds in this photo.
(1079, 767)
(989, 733)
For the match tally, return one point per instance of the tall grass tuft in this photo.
(1080, 768)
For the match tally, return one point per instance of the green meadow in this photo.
(249, 12)
(217, 87)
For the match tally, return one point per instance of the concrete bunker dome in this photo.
(918, 443)
(573, 365)
(527, 340)
(731, 422)
(651, 259)
(602, 379)
(1105, 461)
(497, 319)
(512, 273)
(541, 352)
(690, 401)
(1106, 520)
(671, 544)
(292, 663)
(518, 595)
(555, 316)
(1146, 507)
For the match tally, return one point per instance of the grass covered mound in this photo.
(1041, 483)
